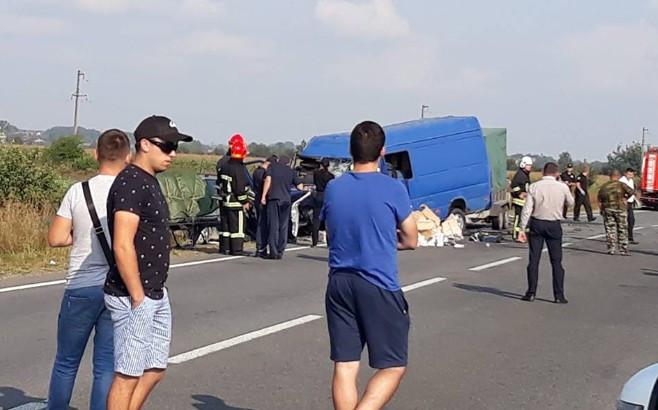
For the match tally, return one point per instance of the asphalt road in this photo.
(473, 343)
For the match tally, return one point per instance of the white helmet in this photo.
(525, 161)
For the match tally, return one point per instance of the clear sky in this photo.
(560, 74)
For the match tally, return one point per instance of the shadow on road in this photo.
(207, 402)
(493, 291)
(574, 248)
(650, 272)
(11, 397)
(314, 258)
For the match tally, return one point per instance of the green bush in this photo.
(26, 176)
(85, 163)
(66, 150)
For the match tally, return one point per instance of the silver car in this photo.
(640, 391)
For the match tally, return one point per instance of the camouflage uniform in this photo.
(613, 196)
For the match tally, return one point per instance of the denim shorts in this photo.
(141, 335)
(360, 313)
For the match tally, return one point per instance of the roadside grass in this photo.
(23, 240)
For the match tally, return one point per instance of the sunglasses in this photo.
(167, 147)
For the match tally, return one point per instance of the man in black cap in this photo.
(135, 293)
(569, 178)
(321, 178)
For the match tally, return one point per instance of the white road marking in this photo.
(497, 263)
(421, 284)
(35, 405)
(176, 265)
(564, 245)
(216, 347)
(640, 228)
(32, 285)
(596, 236)
(654, 226)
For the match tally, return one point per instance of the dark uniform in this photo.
(278, 206)
(520, 184)
(613, 198)
(223, 161)
(321, 178)
(233, 190)
(582, 199)
(261, 214)
(570, 179)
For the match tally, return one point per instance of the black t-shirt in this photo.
(568, 177)
(283, 178)
(582, 179)
(321, 178)
(136, 191)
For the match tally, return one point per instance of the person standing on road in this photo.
(613, 203)
(234, 193)
(543, 212)
(582, 196)
(279, 179)
(629, 179)
(519, 187)
(83, 309)
(321, 178)
(368, 217)
(261, 213)
(569, 178)
(135, 293)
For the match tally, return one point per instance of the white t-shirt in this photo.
(87, 263)
(631, 184)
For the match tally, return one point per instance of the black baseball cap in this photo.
(157, 126)
(570, 165)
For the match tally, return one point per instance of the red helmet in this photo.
(239, 149)
(235, 138)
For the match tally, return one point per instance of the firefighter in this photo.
(520, 184)
(233, 190)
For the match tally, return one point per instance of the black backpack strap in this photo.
(98, 228)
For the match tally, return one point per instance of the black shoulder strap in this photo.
(98, 228)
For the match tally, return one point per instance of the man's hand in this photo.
(263, 201)
(136, 300)
(523, 195)
(246, 207)
(523, 238)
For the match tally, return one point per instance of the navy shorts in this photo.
(360, 313)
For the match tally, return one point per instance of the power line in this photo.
(77, 95)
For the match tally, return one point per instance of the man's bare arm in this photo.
(266, 189)
(125, 229)
(59, 234)
(408, 234)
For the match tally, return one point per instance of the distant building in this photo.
(39, 141)
(3, 138)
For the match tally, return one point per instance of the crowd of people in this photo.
(539, 208)
(117, 224)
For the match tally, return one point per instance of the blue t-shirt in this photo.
(363, 211)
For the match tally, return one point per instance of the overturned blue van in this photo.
(443, 162)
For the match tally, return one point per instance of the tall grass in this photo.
(23, 239)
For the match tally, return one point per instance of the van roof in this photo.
(338, 145)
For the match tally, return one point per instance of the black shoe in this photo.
(633, 242)
(592, 219)
(529, 297)
(561, 300)
(278, 257)
(576, 219)
(270, 257)
(240, 253)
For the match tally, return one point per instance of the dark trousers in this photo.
(231, 230)
(278, 217)
(317, 208)
(551, 233)
(261, 228)
(631, 220)
(580, 201)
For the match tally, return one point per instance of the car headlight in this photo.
(622, 405)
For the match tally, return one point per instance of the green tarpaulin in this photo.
(183, 192)
(496, 139)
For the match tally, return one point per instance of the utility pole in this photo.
(77, 96)
(423, 109)
(645, 131)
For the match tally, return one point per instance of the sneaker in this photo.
(632, 242)
(592, 219)
(625, 253)
(611, 252)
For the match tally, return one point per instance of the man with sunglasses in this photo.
(135, 293)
